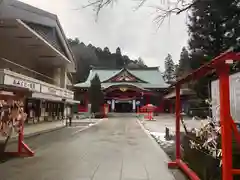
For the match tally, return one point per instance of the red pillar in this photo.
(226, 134)
(20, 138)
(161, 105)
(170, 106)
(178, 116)
(86, 101)
(147, 99)
(23, 149)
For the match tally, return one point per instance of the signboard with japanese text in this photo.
(18, 82)
(51, 90)
(234, 81)
(68, 94)
(57, 92)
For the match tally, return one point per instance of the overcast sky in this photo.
(133, 31)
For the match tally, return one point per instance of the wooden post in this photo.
(226, 133)
(178, 116)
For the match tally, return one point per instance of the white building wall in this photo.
(57, 76)
(14, 9)
(18, 54)
(63, 77)
(234, 81)
(60, 77)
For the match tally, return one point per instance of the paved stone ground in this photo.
(168, 120)
(43, 127)
(38, 128)
(116, 149)
(158, 126)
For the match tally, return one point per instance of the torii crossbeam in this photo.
(220, 64)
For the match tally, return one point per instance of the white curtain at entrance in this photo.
(113, 105)
(134, 104)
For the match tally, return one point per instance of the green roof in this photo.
(152, 77)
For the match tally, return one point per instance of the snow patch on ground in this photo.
(160, 138)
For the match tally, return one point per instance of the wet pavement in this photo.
(115, 149)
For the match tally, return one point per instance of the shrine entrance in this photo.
(123, 106)
(124, 98)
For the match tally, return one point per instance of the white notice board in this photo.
(234, 96)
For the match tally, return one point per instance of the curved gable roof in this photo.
(152, 77)
(103, 75)
(122, 71)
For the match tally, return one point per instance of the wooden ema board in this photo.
(23, 149)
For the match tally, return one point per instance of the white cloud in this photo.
(133, 31)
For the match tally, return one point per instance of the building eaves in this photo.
(46, 17)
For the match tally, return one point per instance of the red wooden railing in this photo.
(220, 65)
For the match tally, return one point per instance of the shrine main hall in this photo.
(126, 89)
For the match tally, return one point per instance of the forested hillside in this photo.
(89, 55)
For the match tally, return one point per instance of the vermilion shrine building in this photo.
(126, 89)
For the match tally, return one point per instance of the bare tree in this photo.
(172, 7)
(98, 5)
(164, 10)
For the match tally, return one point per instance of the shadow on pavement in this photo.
(4, 157)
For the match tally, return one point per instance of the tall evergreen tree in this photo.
(183, 64)
(141, 62)
(213, 29)
(89, 55)
(96, 95)
(176, 71)
(214, 26)
(119, 58)
(106, 50)
(74, 41)
(169, 74)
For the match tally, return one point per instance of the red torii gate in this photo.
(219, 64)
